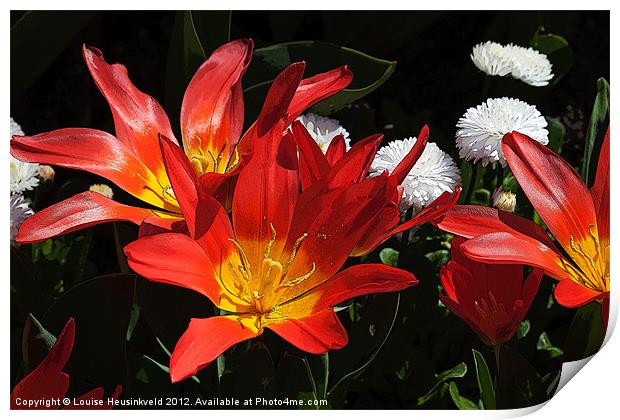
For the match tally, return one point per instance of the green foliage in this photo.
(461, 402)
(558, 52)
(485, 383)
(456, 372)
(545, 344)
(594, 136)
(389, 256)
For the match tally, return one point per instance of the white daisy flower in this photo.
(433, 174)
(24, 175)
(323, 130)
(525, 64)
(481, 129)
(491, 58)
(529, 65)
(20, 211)
(102, 189)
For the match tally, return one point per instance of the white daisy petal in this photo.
(24, 175)
(433, 174)
(323, 130)
(20, 211)
(481, 129)
(525, 64)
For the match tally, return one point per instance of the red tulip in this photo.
(211, 125)
(276, 264)
(491, 299)
(319, 172)
(48, 381)
(577, 217)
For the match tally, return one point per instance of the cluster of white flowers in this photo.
(433, 174)
(24, 177)
(323, 130)
(525, 64)
(481, 129)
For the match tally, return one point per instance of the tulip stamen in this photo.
(245, 261)
(299, 279)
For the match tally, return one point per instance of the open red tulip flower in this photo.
(48, 381)
(491, 299)
(577, 217)
(276, 264)
(211, 126)
(339, 168)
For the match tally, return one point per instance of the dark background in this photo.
(434, 83)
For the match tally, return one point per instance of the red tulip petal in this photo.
(572, 295)
(362, 279)
(317, 333)
(138, 118)
(212, 109)
(183, 179)
(600, 190)
(99, 153)
(530, 288)
(313, 165)
(353, 166)
(336, 150)
(219, 186)
(204, 340)
(153, 225)
(378, 230)
(78, 212)
(317, 88)
(265, 196)
(434, 212)
(176, 259)
(556, 191)
(333, 222)
(47, 380)
(508, 248)
(405, 165)
(472, 221)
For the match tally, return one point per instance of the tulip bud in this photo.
(102, 189)
(47, 173)
(504, 200)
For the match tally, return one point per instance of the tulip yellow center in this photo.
(591, 258)
(260, 286)
(214, 160)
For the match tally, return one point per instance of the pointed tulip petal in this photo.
(313, 165)
(317, 333)
(212, 109)
(219, 186)
(47, 380)
(176, 259)
(317, 88)
(138, 118)
(359, 280)
(434, 212)
(96, 152)
(78, 212)
(572, 295)
(183, 180)
(203, 341)
(405, 165)
(556, 191)
(600, 190)
(336, 150)
(508, 248)
(472, 221)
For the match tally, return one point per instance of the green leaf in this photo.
(586, 333)
(523, 329)
(389, 256)
(545, 344)
(368, 72)
(212, 28)
(36, 342)
(456, 372)
(557, 132)
(461, 402)
(485, 383)
(600, 112)
(557, 50)
(37, 39)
